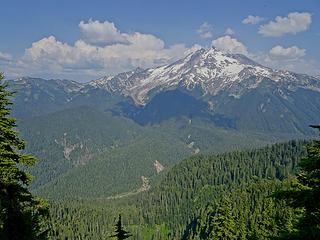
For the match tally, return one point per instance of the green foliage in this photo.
(249, 208)
(21, 214)
(305, 195)
(184, 204)
(94, 219)
(186, 187)
(223, 224)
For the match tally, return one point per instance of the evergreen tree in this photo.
(305, 196)
(120, 233)
(223, 224)
(21, 214)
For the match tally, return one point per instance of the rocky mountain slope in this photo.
(211, 71)
(230, 91)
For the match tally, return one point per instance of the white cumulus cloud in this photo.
(230, 45)
(295, 22)
(205, 30)
(229, 31)
(252, 20)
(87, 59)
(287, 53)
(99, 33)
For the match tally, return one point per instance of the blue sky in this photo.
(84, 40)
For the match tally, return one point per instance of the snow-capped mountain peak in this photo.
(209, 70)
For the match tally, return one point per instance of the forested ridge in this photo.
(102, 147)
(181, 206)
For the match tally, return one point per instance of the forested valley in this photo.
(192, 198)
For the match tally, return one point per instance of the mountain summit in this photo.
(209, 71)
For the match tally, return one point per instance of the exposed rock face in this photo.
(158, 166)
(208, 70)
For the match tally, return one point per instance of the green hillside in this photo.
(174, 197)
(118, 170)
(245, 211)
(271, 109)
(203, 135)
(69, 138)
(80, 146)
(190, 192)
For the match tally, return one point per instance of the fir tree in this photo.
(305, 196)
(21, 214)
(223, 224)
(120, 233)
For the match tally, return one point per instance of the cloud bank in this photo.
(103, 50)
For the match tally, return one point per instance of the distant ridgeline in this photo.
(190, 196)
